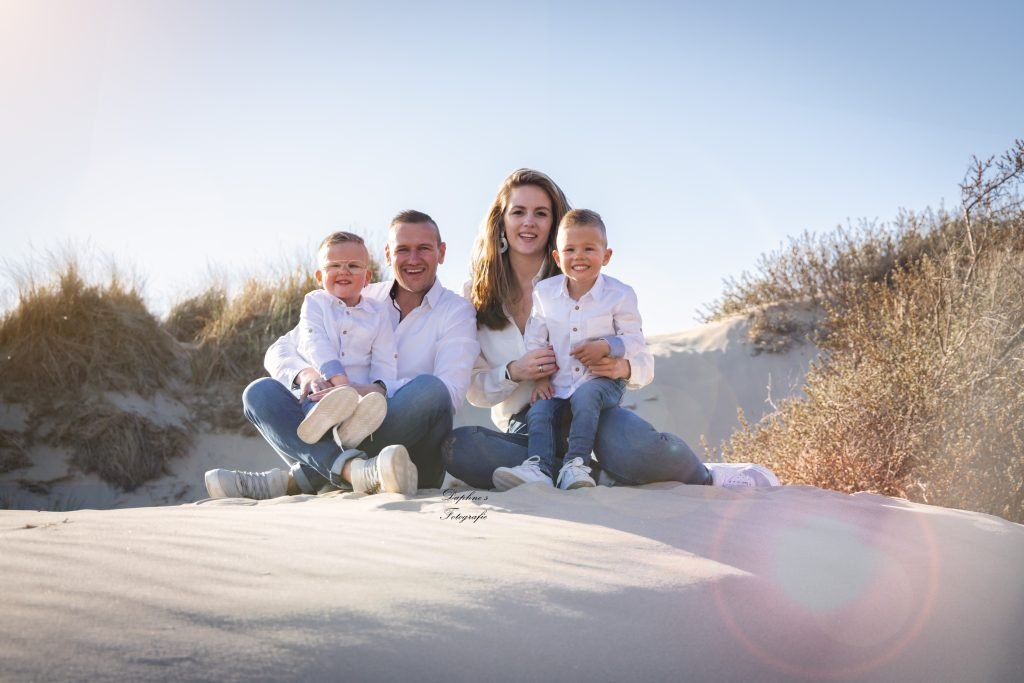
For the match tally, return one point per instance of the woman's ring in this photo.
(541, 367)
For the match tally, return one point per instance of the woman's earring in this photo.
(502, 243)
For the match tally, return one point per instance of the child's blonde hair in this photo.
(578, 218)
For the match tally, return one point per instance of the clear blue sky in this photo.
(185, 135)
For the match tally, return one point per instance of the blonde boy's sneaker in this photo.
(255, 485)
(367, 417)
(390, 471)
(336, 406)
(505, 478)
(735, 475)
(574, 475)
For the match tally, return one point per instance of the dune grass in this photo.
(67, 334)
(66, 343)
(919, 392)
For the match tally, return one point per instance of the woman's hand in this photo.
(612, 368)
(533, 365)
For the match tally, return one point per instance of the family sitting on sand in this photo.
(363, 392)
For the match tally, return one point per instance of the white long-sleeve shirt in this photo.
(491, 389)
(608, 309)
(336, 338)
(438, 338)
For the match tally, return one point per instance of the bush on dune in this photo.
(68, 334)
(64, 345)
(189, 317)
(919, 391)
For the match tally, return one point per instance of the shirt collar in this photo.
(594, 293)
(431, 297)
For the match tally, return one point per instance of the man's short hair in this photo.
(414, 216)
(578, 218)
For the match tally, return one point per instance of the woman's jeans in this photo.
(419, 417)
(587, 402)
(628, 449)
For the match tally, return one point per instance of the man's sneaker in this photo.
(736, 475)
(367, 417)
(336, 406)
(256, 485)
(391, 471)
(529, 472)
(574, 475)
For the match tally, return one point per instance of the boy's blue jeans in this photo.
(587, 402)
(419, 417)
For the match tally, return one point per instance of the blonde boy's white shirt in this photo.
(490, 388)
(608, 309)
(359, 336)
(438, 338)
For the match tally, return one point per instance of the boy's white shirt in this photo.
(359, 336)
(491, 389)
(438, 338)
(608, 309)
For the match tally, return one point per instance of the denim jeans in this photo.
(419, 417)
(628, 449)
(587, 402)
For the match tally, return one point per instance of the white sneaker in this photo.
(255, 485)
(336, 406)
(367, 417)
(529, 472)
(390, 471)
(730, 475)
(574, 475)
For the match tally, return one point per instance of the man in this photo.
(435, 333)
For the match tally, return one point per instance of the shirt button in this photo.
(576, 369)
(574, 329)
(344, 331)
(577, 308)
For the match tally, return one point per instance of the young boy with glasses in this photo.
(347, 338)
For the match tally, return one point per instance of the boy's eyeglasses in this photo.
(354, 267)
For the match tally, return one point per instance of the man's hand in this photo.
(541, 390)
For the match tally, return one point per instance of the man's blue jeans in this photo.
(419, 417)
(587, 402)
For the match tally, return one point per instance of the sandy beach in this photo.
(657, 583)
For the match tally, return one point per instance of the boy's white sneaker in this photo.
(529, 472)
(575, 475)
(390, 471)
(365, 419)
(336, 406)
(736, 475)
(238, 484)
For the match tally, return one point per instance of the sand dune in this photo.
(665, 582)
(658, 583)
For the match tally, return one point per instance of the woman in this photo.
(511, 254)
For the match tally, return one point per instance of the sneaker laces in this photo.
(254, 485)
(369, 476)
(576, 466)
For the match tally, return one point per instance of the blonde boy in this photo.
(347, 338)
(584, 316)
